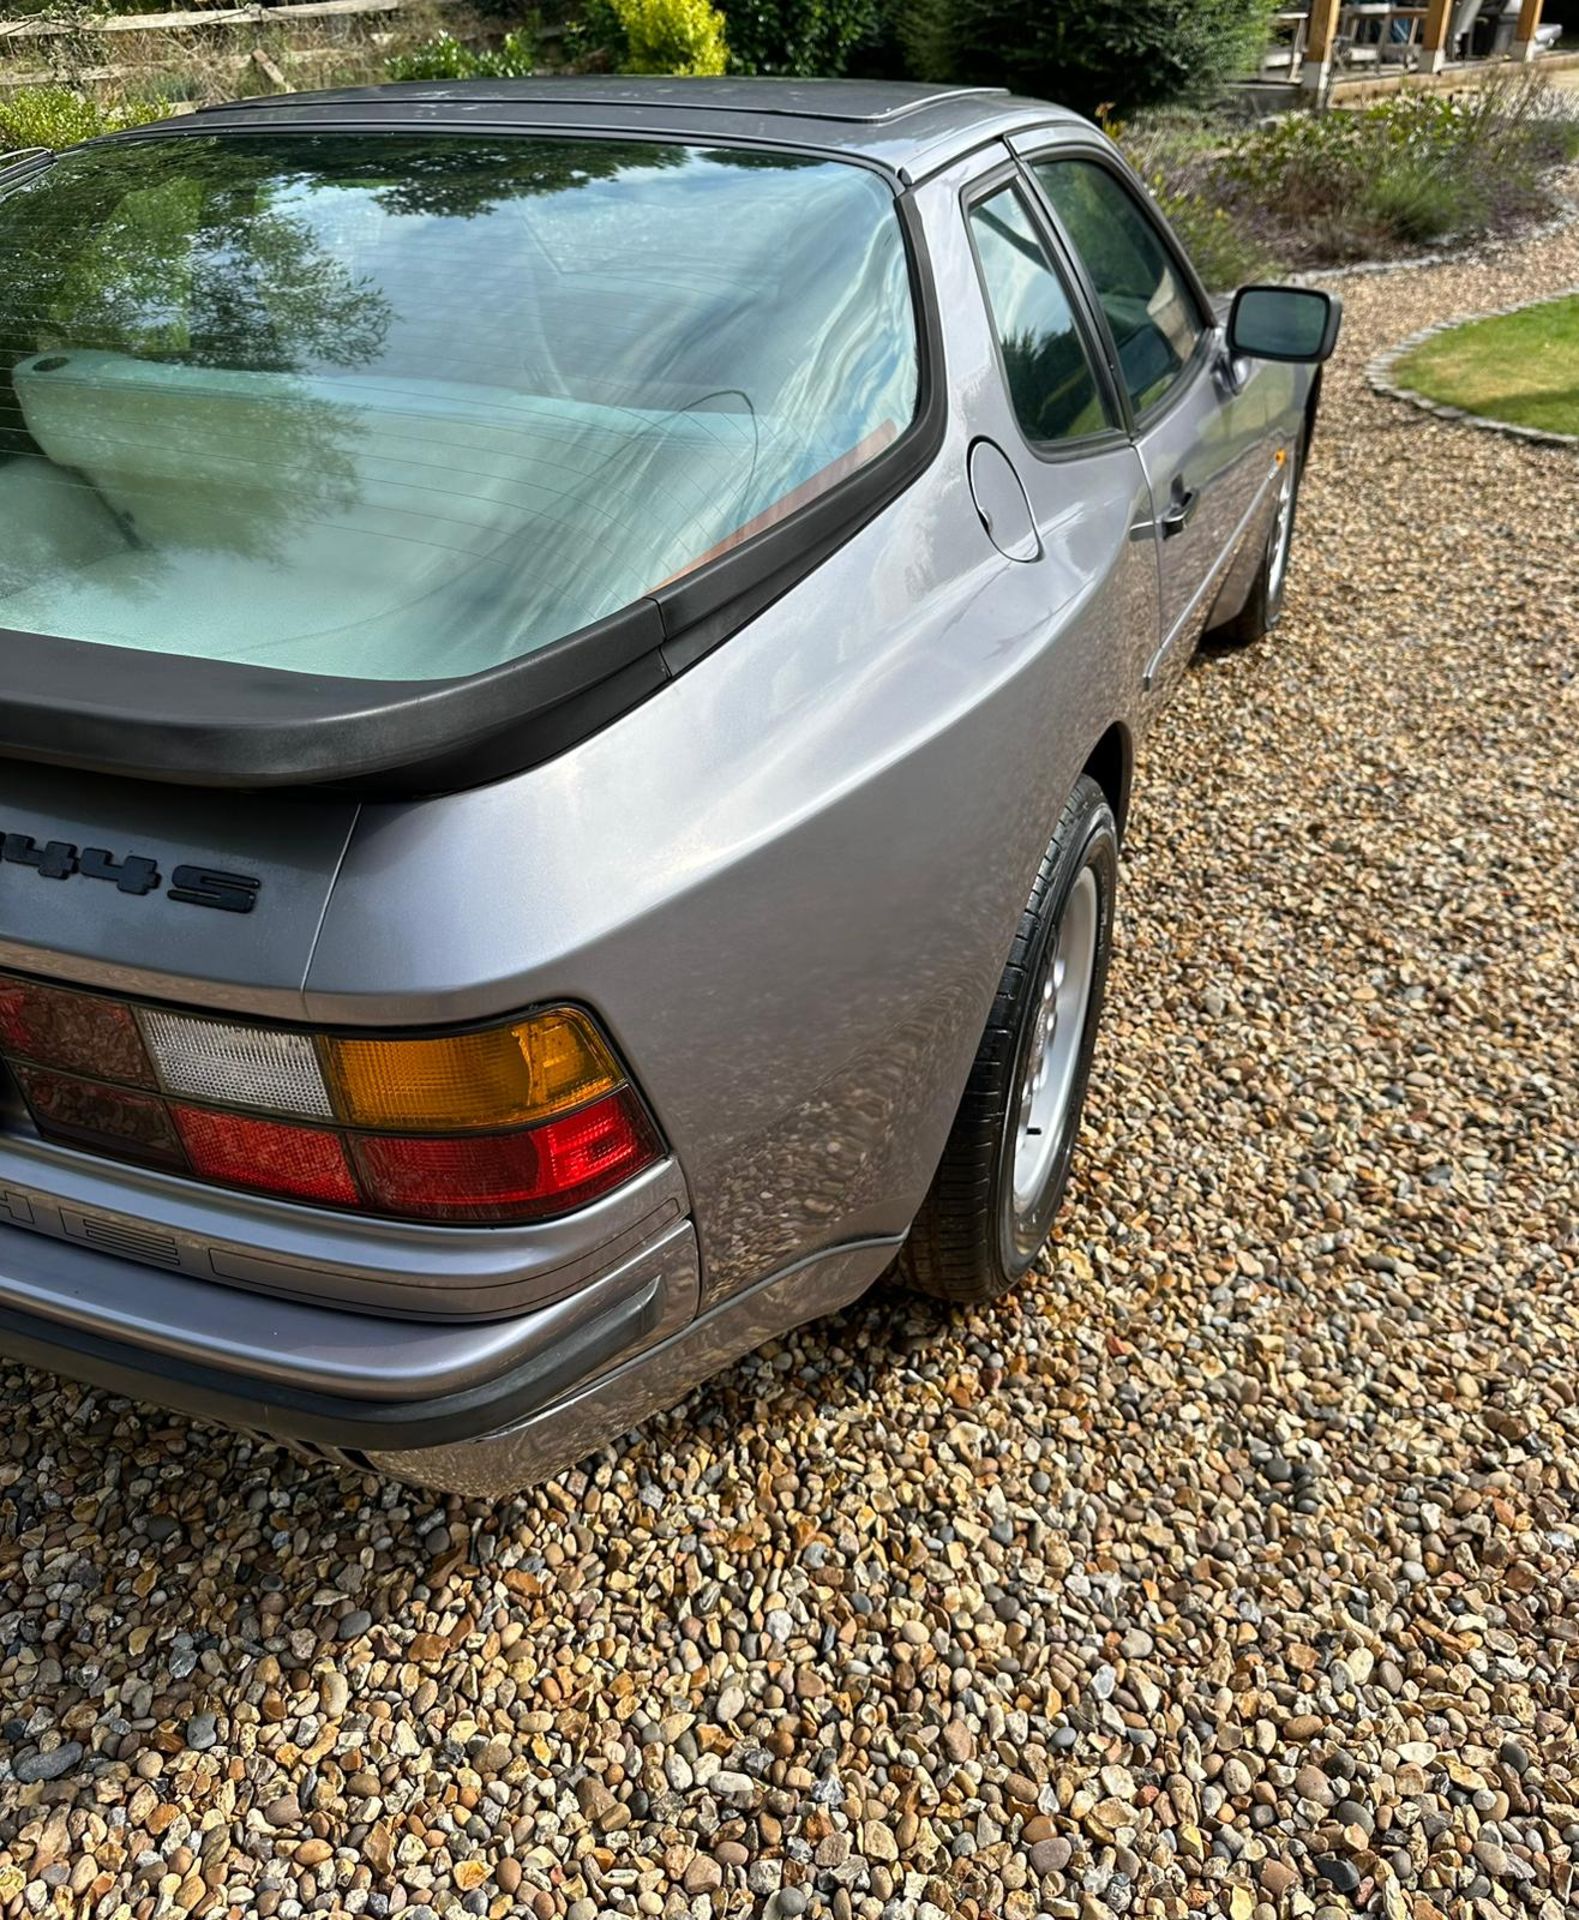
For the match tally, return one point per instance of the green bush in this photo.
(446, 58)
(1411, 171)
(1088, 54)
(593, 35)
(57, 117)
(1224, 252)
(799, 37)
(1419, 202)
(1177, 154)
(672, 36)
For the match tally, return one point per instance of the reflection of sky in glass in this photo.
(574, 393)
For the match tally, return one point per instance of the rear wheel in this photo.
(1262, 611)
(1003, 1172)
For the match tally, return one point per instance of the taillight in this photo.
(520, 1121)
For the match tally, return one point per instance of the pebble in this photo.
(703, 1875)
(1337, 1872)
(1051, 1856)
(50, 1763)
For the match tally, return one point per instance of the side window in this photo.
(1051, 380)
(1153, 314)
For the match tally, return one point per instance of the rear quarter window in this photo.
(408, 407)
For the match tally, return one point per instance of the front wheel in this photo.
(1264, 608)
(1003, 1172)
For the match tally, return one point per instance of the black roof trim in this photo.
(904, 130)
(877, 103)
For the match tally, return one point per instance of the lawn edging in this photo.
(1379, 375)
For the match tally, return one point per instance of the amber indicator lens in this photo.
(505, 1077)
(78, 1032)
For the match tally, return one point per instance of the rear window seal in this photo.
(209, 723)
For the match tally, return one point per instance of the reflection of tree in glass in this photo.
(457, 179)
(1050, 383)
(206, 285)
(748, 161)
(193, 257)
(193, 253)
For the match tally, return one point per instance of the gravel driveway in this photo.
(1233, 1567)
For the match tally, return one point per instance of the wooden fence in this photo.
(21, 36)
(200, 19)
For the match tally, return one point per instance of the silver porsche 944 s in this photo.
(573, 653)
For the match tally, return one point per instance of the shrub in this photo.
(1177, 156)
(1226, 254)
(446, 58)
(672, 36)
(1408, 172)
(57, 117)
(1419, 202)
(800, 37)
(1086, 54)
(593, 34)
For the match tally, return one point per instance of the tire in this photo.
(1264, 608)
(988, 1212)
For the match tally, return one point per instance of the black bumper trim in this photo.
(333, 1420)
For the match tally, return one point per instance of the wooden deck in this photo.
(1337, 51)
(1350, 86)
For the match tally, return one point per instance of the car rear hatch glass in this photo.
(409, 407)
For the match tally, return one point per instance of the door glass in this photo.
(1051, 381)
(1151, 311)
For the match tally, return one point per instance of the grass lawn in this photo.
(1523, 367)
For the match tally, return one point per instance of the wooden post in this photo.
(1524, 33)
(1433, 36)
(1321, 36)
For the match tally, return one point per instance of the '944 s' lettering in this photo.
(132, 873)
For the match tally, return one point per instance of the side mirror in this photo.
(1284, 323)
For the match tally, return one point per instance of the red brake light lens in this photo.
(272, 1155)
(131, 1126)
(510, 1176)
(517, 1122)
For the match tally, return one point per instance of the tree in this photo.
(798, 37)
(1088, 54)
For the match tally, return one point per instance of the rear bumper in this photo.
(480, 1408)
(330, 1378)
(547, 1441)
(322, 1258)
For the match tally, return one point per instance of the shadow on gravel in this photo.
(183, 1566)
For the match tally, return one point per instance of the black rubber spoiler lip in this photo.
(158, 716)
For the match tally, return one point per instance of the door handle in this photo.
(1180, 510)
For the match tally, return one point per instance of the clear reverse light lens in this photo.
(236, 1066)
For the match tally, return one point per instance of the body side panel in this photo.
(789, 883)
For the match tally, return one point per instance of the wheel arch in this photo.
(1111, 763)
(1312, 413)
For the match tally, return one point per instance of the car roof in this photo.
(908, 128)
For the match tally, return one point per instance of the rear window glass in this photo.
(411, 407)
